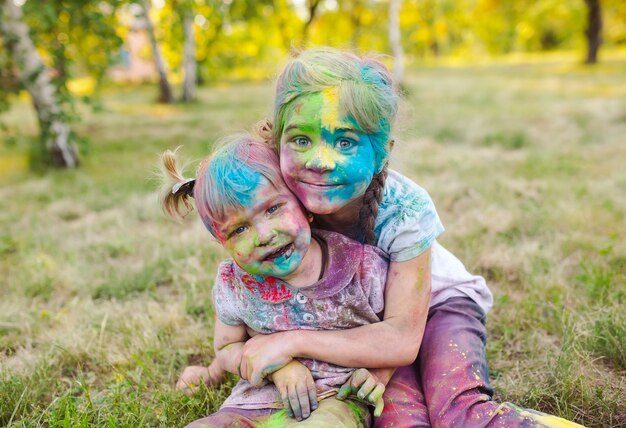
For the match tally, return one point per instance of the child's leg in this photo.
(405, 405)
(330, 413)
(232, 417)
(453, 368)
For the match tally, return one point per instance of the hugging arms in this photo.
(391, 343)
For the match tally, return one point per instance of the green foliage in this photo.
(9, 85)
(80, 36)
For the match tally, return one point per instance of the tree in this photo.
(594, 30)
(312, 6)
(55, 132)
(281, 15)
(395, 42)
(189, 56)
(166, 94)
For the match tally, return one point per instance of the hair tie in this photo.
(185, 185)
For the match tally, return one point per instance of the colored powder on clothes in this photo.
(549, 420)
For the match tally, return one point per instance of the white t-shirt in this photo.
(407, 224)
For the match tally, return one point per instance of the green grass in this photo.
(104, 300)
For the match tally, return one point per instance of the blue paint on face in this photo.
(326, 159)
(354, 164)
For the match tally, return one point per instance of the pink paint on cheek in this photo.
(289, 167)
(289, 218)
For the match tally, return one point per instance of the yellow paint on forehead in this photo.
(330, 109)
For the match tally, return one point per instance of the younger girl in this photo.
(282, 276)
(332, 121)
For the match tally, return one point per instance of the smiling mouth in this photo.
(285, 250)
(321, 185)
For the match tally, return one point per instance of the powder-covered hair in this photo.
(223, 179)
(365, 91)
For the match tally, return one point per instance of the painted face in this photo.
(325, 159)
(270, 234)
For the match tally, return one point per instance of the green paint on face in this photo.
(325, 157)
(270, 235)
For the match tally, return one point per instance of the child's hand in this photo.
(366, 386)
(194, 376)
(264, 354)
(297, 389)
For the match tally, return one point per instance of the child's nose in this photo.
(265, 236)
(322, 159)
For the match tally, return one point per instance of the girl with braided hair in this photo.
(333, 115)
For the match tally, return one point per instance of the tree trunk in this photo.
(165, 89)
(312, 6)
(34, 75)
(395, 42)
(594, 30)
(189, 59)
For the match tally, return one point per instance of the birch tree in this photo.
(166, 94)
(189, 57)
(395, 41)
(55, 132)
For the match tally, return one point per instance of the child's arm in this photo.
(394, 342)
(294, 381)
(228, 343)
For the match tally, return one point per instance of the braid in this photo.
(371, 200)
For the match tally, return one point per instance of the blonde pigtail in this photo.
(176, 190)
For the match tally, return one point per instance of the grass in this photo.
(104, 300)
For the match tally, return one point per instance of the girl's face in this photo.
(325, 158)
(270, 234)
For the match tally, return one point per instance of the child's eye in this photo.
(239, 230)
(345, 144)
(301, 141)
(273, 209)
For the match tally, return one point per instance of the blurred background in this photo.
(513, 119)
(67, 52)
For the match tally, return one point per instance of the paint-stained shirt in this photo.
(349, 294)
(407, 225)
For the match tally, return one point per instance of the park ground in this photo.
(105, 300)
